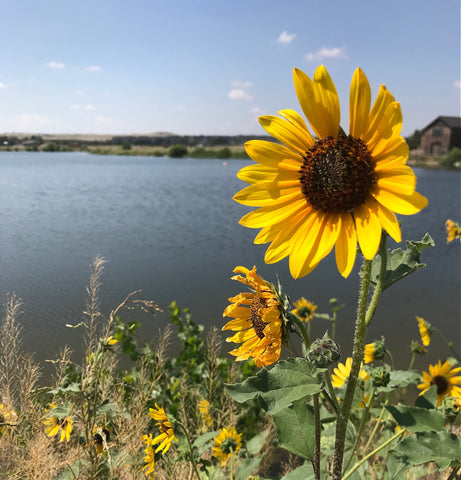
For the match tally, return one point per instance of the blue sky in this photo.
(211, 67)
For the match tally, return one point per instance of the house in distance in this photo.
(441, 135)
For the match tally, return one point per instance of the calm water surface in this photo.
(170, 228)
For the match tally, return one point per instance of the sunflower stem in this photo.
(448, 342)
(317, 426)
(302, 328)
(332, 396)
(382, 252)
(192, 460)
(374, 452)
(357, 357)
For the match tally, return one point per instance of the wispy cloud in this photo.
(239, 94)
(93, 68)
(242, 84)
(55, 65)
(457, 84)
(326, 52)
(255, 110)
(2, 86)
(286, 37)
(88, 107)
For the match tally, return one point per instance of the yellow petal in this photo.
(346, 246)
(403, 204)
(389, 126)
(383, 100)
(271, 154)
(287, 133)
(294, 118)
(237, 325)
(319, 101)
(369, 230)
(399, 179)
(268, 194)
(268, 215)
(394, 151)
(389, 222)
(261, 173)
(359, 104)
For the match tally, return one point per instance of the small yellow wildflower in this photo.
(342, 371)
(204, 408)
(424, 330)
(166, 436)
(445, 378)
(453, 230)
(227, 443)
(304, 309)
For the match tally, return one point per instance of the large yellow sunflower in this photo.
(256, 319)
(334, 190)
(444, 377)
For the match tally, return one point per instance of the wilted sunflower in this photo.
(424, 330)
(342, 372)
(226, 443)
(304, 309)
(55, 424)
(453, 230)
(445, 379)
(337, 189)
(256, 319)
(166, 436)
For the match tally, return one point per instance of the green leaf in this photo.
(295, 429)
(255, 445)
(204, 438)
(443, 448)
(278, 387)
(304, 472)
(247, 467)
(417, 419)
(396, 464)
(401, 263)
(429, 399)
(327, 441)
(401, 379)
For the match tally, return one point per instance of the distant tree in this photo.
(414, 140)
(126, 146)
(51, 147)
(224, 153)
(451, 159)
(177, 151)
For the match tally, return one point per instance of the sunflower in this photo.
(166, 436)
(445, 379)
(304, 309)
(256, 319)
(424, 330)
(374, 351)
(315, 193)
(149, 459)
(342, 371)
(453, 230)
(55, 424)
(226, 443)
(204, 408)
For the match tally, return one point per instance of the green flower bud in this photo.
(380, 376)
(323, 352)
(418, 348)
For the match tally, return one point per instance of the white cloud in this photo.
(55, 65)
(242, 84)
(2, 86)
(286, 37)
(239, 94)
(255, 110)
(325, 52)
(86, 107)
(457, 84)
(93, 68)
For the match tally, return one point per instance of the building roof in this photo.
(450, 122)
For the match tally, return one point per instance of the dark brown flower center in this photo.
(442, 384)
(337, 174)
(255, 317)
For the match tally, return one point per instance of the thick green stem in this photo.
(374, 452)
(317, 426)
(379, 285)
(357, 357)
(334, 400)
(302, 329)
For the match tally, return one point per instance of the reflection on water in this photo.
(170, 228)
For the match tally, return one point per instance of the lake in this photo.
(170, 228)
